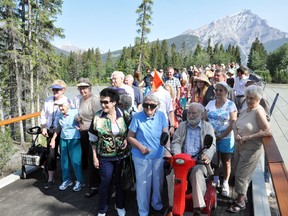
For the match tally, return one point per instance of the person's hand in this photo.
(124, 144)
(218, 138)
(96, 163)
(167, 154)
(79, 119)
(171, 131)
(52, 143)
(44, 132)
(205, 158)
(238, 138)
(144, 150)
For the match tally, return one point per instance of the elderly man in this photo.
(189, 138)
(117, 81)
(174, 82)
(219, 76)
(138, 96)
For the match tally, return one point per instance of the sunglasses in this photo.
(152, 106)
(104, 102)
(56, 89)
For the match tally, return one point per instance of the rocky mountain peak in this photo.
(241, 28)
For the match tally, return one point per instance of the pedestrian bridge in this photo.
(28, 197)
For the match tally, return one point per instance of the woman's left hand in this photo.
(124, 144)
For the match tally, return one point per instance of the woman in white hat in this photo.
(49, 121)
(199, 91)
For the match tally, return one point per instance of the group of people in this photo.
(127, 119)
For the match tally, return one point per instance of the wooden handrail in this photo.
(278, 173)
(19, 118)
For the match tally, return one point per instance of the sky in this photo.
(111, 24)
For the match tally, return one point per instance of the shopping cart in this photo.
(36, 155)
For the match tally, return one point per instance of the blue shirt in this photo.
(68, 125)
(148, 131)
(193, 139)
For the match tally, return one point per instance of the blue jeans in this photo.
(71, 151)
(108, 169)
(149, 176)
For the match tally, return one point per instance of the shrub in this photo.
(6, 149)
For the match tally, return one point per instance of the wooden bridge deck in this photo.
(28, 197)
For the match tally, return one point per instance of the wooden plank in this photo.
(272, 152)
(19, 118)
(280, 178)
(260, 198)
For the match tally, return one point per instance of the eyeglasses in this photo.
(104, 102)
(152, 106)
(56, 89)
(220, 90)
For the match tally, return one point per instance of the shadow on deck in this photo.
(28, 197)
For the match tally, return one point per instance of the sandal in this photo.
(236, 207)
(232, 201)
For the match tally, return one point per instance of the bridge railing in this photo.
(279, 174)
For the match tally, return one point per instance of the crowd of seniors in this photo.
(120, 124)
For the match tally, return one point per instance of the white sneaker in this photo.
(225, 189)
(65, 184)
(101, 214)
(78, 186)
(121, 212)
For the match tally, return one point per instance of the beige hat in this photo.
(203, 78)
(83, 82)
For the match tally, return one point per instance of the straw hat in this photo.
(203, 78)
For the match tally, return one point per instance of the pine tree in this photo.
(257, 56)
(143, 21)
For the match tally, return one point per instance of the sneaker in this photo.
(78, 186)
(49, 184)
(121, 212)
(92, 192)
(225, 189)
(65, 184)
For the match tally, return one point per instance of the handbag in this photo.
(127, 174)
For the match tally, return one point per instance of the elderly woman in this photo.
(249, 128)
(88, 106)
(49, 121)
(144, 135)
(222, 113)
(107, 135)
(70, 145)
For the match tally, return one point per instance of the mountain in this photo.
(240, 29)
(69, 47)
